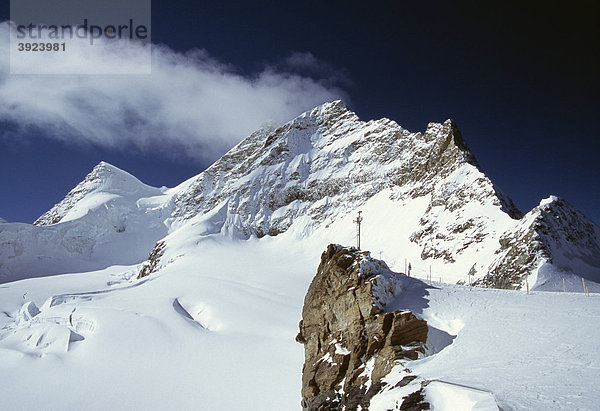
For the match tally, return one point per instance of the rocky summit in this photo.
(350, 340)
(425, 198)
(442, 212)
(219, 266)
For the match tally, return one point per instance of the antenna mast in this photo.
(358, 221)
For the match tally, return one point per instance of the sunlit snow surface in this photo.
(109, 218)
(215, 329)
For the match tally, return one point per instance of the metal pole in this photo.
(358, 221)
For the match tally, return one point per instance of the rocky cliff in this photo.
(553, 238)
(326, 162)
(425, 199)
(350, 340)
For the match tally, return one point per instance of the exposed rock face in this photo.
(307, 176)
(151, 265)
(327, 160)
(553, 233)
(350, 341)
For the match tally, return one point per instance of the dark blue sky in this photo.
(520, 80)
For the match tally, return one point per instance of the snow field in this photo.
(216, 329)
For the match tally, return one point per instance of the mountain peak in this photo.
(560, 211)
(106, 168)
(555, 214)
(104, 178)
(328, 155)
(104, 165)
(326, 113)
(450, 122)
(551, 200)
(448, 128)
(331, 106)
(553, 237)
(109, 177)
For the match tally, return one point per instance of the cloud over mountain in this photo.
(192, 105)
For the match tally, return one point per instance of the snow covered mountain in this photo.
(190, 297)
(424, 197)
(425, 200)
(326, 162)
(103, 184)
(109, 218)
(553, 241)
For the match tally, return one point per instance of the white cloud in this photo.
(191, 103)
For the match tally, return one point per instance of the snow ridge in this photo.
(109, 218)
(105, 179)
(324, 163)
(548, 244)
(424, 194)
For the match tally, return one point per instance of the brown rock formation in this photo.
(151, 265)
(350, 341)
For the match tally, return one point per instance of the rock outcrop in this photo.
(151, 265)
(308, 176)
(350, 340)
(552, 236)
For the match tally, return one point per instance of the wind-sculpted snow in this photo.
(39, 332)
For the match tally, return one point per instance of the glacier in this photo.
(213, 326)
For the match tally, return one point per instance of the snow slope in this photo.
(534, 352)
(109, 218)
(187, 338)
(215, 330)
(426, 201)
(214, 326)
